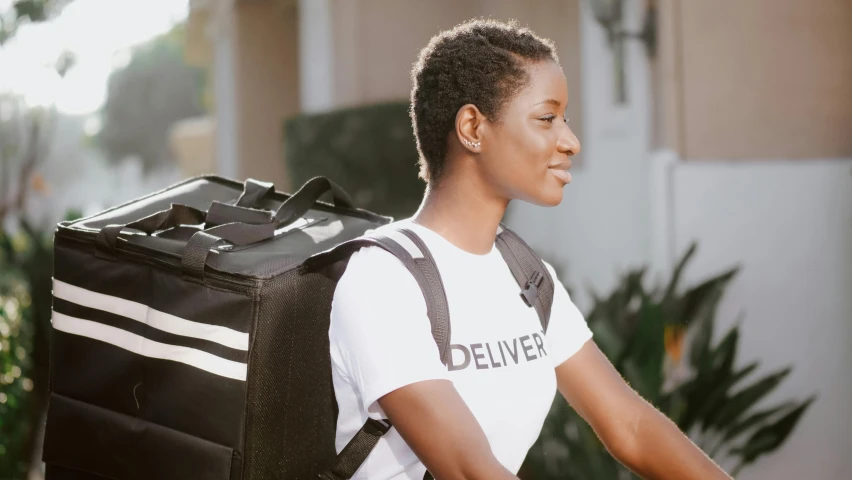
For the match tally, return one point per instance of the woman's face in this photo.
(526, 155)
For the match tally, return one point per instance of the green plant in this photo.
(660, 341)
(18, 329)
(16, 338)
(26, 269)
(370, 151)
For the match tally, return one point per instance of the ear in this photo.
(469, 122)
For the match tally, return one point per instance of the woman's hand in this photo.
(435, 422)
(634, 432)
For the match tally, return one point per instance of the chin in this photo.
(547, 196)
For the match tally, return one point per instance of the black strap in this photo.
(172, 217)
(300, 202)
(353, 455)
(220, 213)
(529, 271)
(432, 286)
(198, 247)
(424, 270)
(254, 191)
(249, 207)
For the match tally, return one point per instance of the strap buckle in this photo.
(530, 293)
(377, 427)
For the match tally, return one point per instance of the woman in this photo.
(488, 110)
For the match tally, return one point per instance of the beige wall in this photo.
(267, 84)
(377, 41)
(756, 78)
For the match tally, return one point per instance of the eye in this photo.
(548, 118)
(567, 120)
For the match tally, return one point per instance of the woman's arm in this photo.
(435, 422)
(634, 432)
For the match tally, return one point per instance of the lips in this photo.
(562, 175)
(560, 171)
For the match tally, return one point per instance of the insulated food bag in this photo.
(190, 332)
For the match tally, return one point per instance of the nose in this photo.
(567, 142)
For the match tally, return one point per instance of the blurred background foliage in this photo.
(370, 151)
(24, 11)
(659, 339)
(147, 96)
(26, 267)
(26, 263)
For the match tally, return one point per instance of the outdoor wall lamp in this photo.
(609, 13)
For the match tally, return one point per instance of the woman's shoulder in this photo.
(375, 262)
(375, 294)
(376, 273)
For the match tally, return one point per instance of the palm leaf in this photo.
(746, 398)
(702, 298)
(707, 395)
(629, 325)
(678, 271)
(769, 437)
(710, 386)
(737, 428)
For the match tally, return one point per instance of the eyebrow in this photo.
(550, 101)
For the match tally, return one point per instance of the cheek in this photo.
(519, 160)
(535, 151)
(530, 150)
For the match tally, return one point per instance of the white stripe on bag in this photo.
(142, 313)
(149, 348)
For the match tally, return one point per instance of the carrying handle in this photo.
(174, 216)
(302, 201)
(254, 191)
(239, 224)
(221, 213)
(249, 209)
(198, 247)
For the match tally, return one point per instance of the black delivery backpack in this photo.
(189, 333)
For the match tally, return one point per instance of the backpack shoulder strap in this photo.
(353, 455)
(530, 272)
(413, 253)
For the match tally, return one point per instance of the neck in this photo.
(461, 210)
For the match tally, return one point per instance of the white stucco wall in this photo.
(603, 223)
(789, 225)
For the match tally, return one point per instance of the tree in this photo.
(22, 136)
(153, 91)
(24, 271)
(24, 11)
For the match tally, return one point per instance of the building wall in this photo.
(266, 66)
(603, 224)
(376, 42)
(789, 225)
(762, 187)
(761, 79)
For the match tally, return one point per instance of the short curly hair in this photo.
(479, 62)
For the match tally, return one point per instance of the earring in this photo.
(471, 144)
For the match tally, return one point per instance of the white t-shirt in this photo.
(502, 365)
